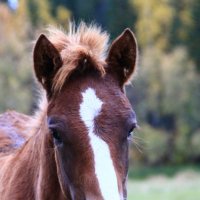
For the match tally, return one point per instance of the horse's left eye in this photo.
(133, 127)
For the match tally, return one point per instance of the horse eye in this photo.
(56, 135)
(133, 127)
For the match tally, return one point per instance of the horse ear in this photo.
(122, 56)
(47, 61)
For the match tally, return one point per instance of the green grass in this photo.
(184, 185)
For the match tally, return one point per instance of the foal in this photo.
(78, 148)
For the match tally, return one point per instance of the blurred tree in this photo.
(169, 99)
(39, 12)
(120, 15)
(16, 31)
(112, 15)
(162, 26)
(185, 28)
(154, 22)
(181, 22)
(193, 39)
(47, 12)
(169, 23)
(166, 93)
(151, 144)
(14, 68)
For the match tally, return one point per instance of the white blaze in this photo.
(104, 169)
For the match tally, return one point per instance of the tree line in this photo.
(165, 92)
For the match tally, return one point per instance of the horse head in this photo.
(89, 116)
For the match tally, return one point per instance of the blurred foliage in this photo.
(108, 13)
(154, 20)
(166, 91)
(15, 73)
(151, 143)
(193, 39)
(168, 87)
(143, 172)
(44, 13)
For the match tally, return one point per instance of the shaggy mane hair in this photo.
(82, 44)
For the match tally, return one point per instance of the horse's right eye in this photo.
(55, 129)
(56, 135)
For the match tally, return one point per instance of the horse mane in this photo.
(85, 44)
(12, 132)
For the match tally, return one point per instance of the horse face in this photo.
(90, 121)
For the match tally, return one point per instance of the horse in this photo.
(76, 146)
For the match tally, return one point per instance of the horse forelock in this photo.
(86, 43)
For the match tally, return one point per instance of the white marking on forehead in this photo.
(104, 169)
